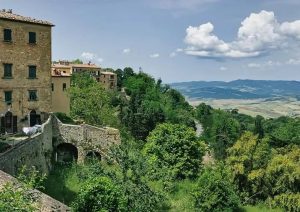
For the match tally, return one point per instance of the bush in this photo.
(215, 192)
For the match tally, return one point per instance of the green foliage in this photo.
(215, 192)
(100, 194)
(90, 102)
(77, 61)
(18, 196)
(64, 118)
(247, 160)
(287, 201)
(174, 150)
(224, 133)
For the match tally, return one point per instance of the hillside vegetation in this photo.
(251, 164)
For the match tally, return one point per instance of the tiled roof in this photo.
(15, 17)
(108, 73)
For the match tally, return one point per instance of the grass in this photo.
(63, 183)
(260, 208)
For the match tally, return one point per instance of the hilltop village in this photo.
(77, 137)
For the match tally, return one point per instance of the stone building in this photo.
(25, 80)
(61, 73)
(61, 81)
(108, 79)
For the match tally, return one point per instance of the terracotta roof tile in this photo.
(15, 17)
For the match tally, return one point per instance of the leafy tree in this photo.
(77, 61)
(90, 102)
(100, 194)
(258, 130)
(248, 159)
(283, 178)
(176, 148)
(225, 131)
(215, 192)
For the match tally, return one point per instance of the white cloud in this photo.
(258, 34)
(88, 56)
(293, 62)
(126, 51)
(173, 54)
(223, 68)
(269, 63)
(155, 55)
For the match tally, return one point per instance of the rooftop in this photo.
(9, 15)
(108, 73)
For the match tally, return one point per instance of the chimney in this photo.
(9, 11)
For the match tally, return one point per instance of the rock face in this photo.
(46, 203)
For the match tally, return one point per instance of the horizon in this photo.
(176, 40)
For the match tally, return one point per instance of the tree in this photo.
(225, 131)
(248, 159)
(176, 148)
(90, 102)
(258, 130)
(214, 191)
(100, 194)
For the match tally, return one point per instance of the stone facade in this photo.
(23, 54)
(60, 95)
(108, 80)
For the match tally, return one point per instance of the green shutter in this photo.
(7, 35)
(32, 72)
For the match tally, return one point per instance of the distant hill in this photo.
(239, 89)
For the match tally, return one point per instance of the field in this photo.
(264, 107)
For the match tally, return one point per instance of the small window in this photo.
(32, 94)
(32, 72)
(7, 35)
(64, 86)
(112, 76)
(8, 96)
(52, 86)
(7, 70)
(32, 37)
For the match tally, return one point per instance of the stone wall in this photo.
(33, 151)
(46, 203)
(86, 138)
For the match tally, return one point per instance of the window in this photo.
(7, 35)
(112, 77)
(32, 37)
(32, 95)
(8, 96)
(52, 86)
(32, 72)
(7, 70)
(64, 86)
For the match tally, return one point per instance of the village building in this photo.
(25, 79)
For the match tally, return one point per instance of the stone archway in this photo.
(66, 153)
(92, 156)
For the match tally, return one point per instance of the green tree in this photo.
(248, 159)
(258, 130)
(90, 102)
(100, 194)
(174, 148)
(215, 192)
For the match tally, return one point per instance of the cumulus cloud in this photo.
(258, 34)
(293, 61)
(174, 54)
(88, 56)
(155, 55)
(91, 57)
(126, 51)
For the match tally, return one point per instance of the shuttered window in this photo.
(7, 35)
(8, 96)
(32, 37)
(7, 70)
(32, 72)
(32, 95)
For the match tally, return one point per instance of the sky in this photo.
(176, 40)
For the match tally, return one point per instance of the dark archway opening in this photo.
(8, 123)
(92, 156)
(34, 118)
(66, 153)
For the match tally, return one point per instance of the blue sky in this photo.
(177, 40)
